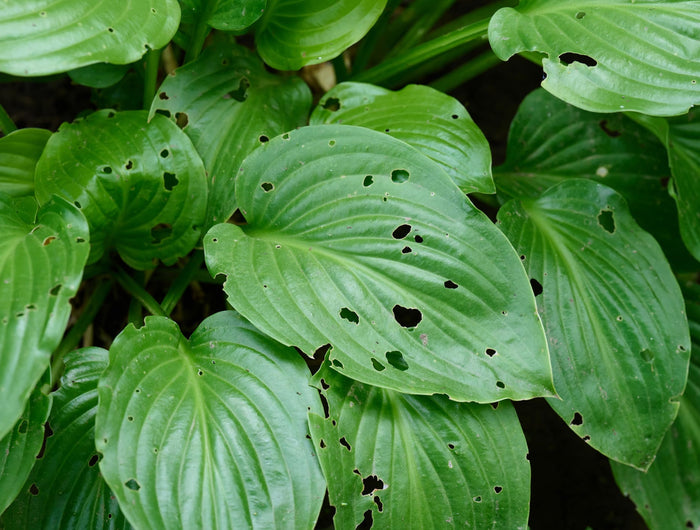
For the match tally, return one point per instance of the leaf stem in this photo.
(71, 339)
(467, 71)
(200, 33)
(368, 45)
(138, 292)
(178, 287)
(6, 124)
(151, 77)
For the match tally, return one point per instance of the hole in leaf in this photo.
(163, 96)
(396, 360)
(263, 138)
(586, 438)
(170, 181)
(22, 427)
(689, 524)
(345, 443)
(93, 460)
(399, 176)
(371, 483)
(610, 132)
(181, 119)
(367, 521)
(111, 30)
(164, 153)
(337, 363)
(238, 219)
(267, 186)
(407, 317)
(34, 489)
(240, 94)
(130, 418)
(418, 239)
(577, 420)
(401, 231)
(326, 408)
(647, 355)
(160, 232)
(132, 484)
(500, 384)
(332, 104)
(349, 315)
(449, 284)
(200, 373)
(378, 502)
(580, 15)
(377, 365)
(454, 116)
(477, 498)
(536, 287)
(569, 58)
(497, 489)
(369, 180)
(55, 290)
(331, 143)
(406, 250)
(107, 170)
(77, 204)
(607, 221)
(490, 352)
(451, 446)
(48, 240)
(324, 385)
(322, 444)
(129, 165)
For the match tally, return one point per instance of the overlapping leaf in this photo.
(210, 432)
(226, 15)
(667, 495)
(609, 56)
(39, 37)
(432, 122)
(550, 141)
(231, 105)
(41, 265)
(613, 314)
(140, 184)
(20, 447)
(356, 239)
(419, 461)
(292, 34)
(65, 488)
(19, 153)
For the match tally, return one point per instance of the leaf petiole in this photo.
(6, 124)
(178, 287)
(138, 292)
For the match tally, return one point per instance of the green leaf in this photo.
(634, 56)
(39, 38)
(613, 314)
(99, 75)
(667, 495)
(292, 34)
(356, 239)
(226, 15)
(231, 105)
(551, 141)
(20, 447)
(41, 265)
(65, 488)
(141, 184)
(419, 461)
(432, 122)
(217, 422)
(19, 152)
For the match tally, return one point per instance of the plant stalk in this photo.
(138, 292)
(467, 71)
(178, 287)
(151, 77)
(200, 33)
(6, 124)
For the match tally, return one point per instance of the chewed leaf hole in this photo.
(449, 284)
(490, 352)
(34, 490)
(378, 502)
(369, 180)
(396, 360)
(93, 460)
(163, 96)
(536, 287)
(337, 363)
(349, 315)
(401, 231)
(181, 119)
(647, 355)
(129, 165)
(500, 384)
(377, 365)
(399, 176)
(55, 290)
(160, 232)
(132, 484)
(497, 489)
(372, 483)
(263, 138)
(267, 186)
(417, 239)
(577, 419)
(164, 153)
(607, 221)
(331, 104)
(170, 181)
(345, 443)
(570, 58)
(240, 94)
(406, 250)
(580, 15)
(407, 317)
(612, 133)
(23, 426)
(48, 240)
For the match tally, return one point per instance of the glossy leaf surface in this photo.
(216, 423)
(432, 122)
(609, 56)
(551, 141)
(20, 446)
(613, 314)
(356, 239)
(667, 495)
(419, 461)
(41, 265)
(226, 15)
(19, 153)
(140, 184)
(292, 34)
(65, 488)
(231, 105)
(39, 37)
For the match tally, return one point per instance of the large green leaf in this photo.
(20, 447)
(210, 432)
(141, 185)
(65, 489)
(39, 37)
(41, 265)
(294, 33)
(432, 122)
(613, 314)
(640, 56)
(419, 461)
(226, 15)
(19, 152)
(667, 495)
(551, 141)
(231, 105)
(356, 239)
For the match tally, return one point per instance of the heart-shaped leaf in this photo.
(292, 34)
(613, 314)
(140, 184)
(231, 105)
(667, 494)
(65, 488)
(356, 239)
(226, 15)
(20, 447)
(406, 461)
(551, 141)
(41, 265)
(609, 56)
(19, 153)
(432, 122)
(210, 432)
(39, 37)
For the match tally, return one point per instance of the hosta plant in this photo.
(390, 293)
